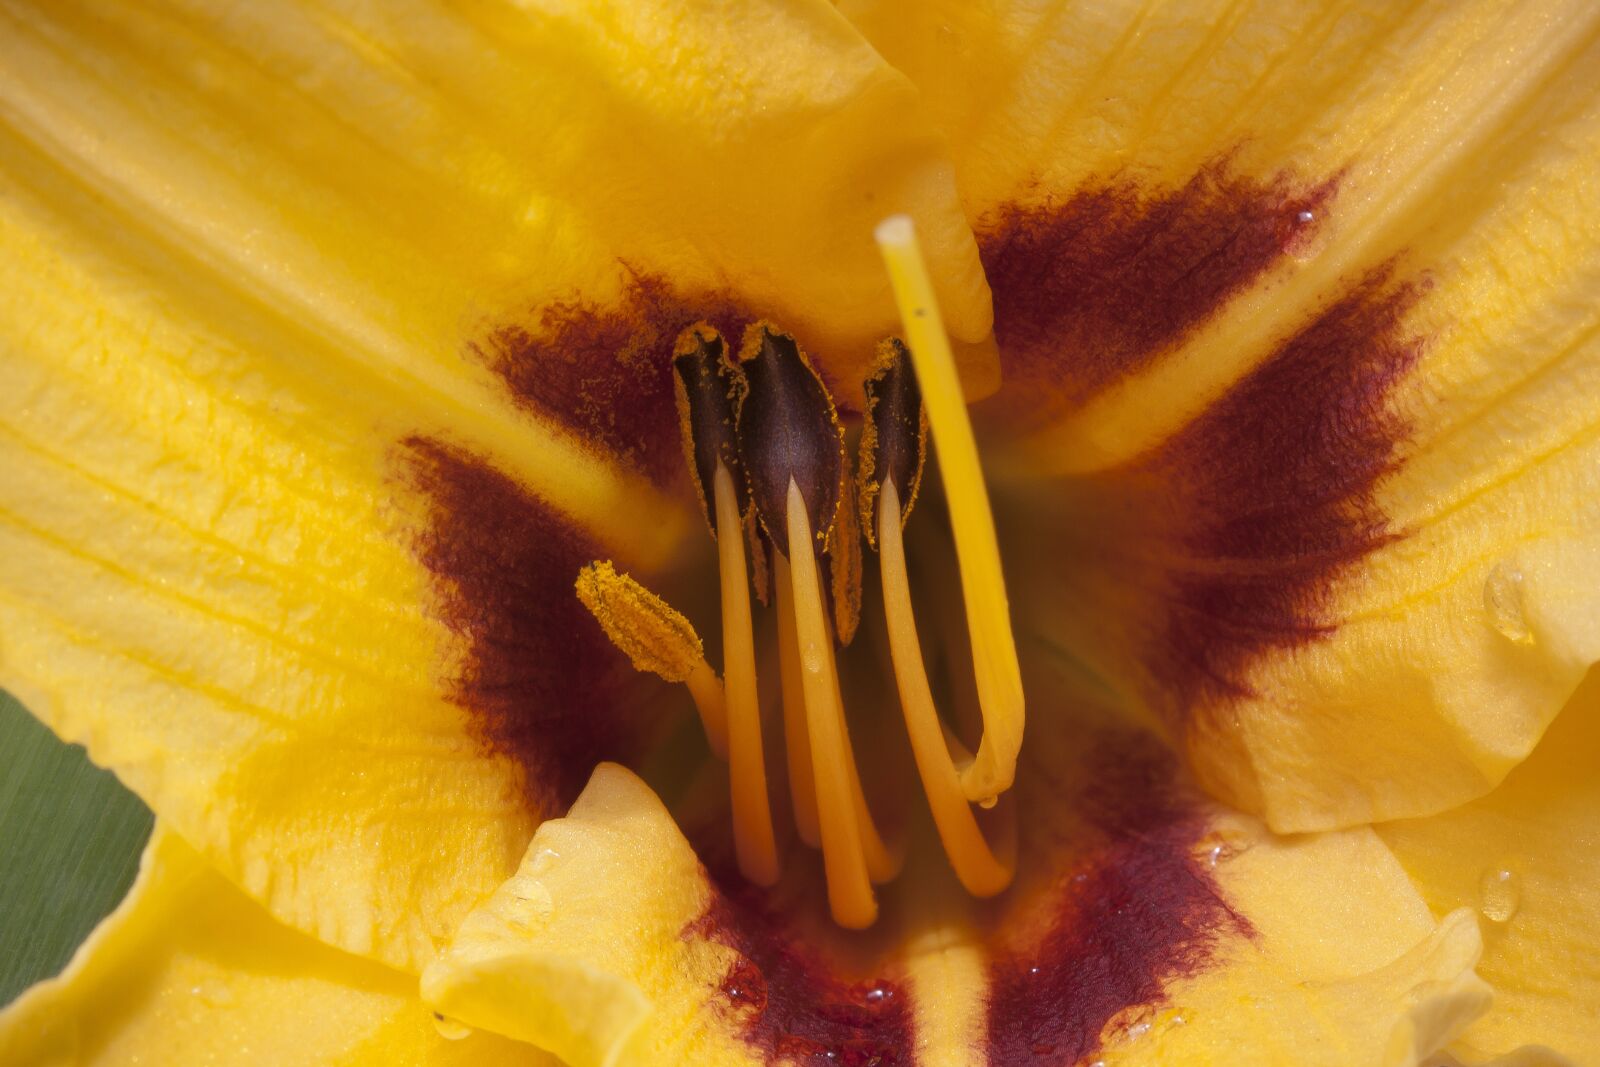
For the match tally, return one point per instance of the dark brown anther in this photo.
(788, 430)
(708, 387)
(844, 568)
(894, 435)
(760, 552)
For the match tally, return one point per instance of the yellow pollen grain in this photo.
(753, 839)
(994, 652)
(980, 870)
(850, 895)
(656, 638)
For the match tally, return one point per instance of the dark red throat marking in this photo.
(1139, 912)
(541, 681)
(1092, 287)
(792, 1003)
(1271, 491)
(1235, 531)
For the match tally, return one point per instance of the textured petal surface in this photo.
(189, 966)
(1150, 926)
(1527, 857)
(1299, 301)
(319, 331)
(1147, 927)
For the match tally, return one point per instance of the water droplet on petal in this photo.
(534, 898)
(1503, 599)
(988, 802)
(449, 1028)
(1499, 894)
(1305, 216)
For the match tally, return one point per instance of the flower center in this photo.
(768, 457)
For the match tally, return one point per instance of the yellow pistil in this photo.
(980, 870)
(656, 638)
(747, 770)
(844, 857)
(994, 653)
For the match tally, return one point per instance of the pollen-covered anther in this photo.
(894, 435)
(789, 431)
(655, 638)
(708, 386)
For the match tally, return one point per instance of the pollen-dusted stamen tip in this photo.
(646, 628)
(894, 435)
(656, 639)
(788, 430)
(709, 388)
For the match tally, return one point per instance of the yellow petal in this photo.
(326, 361)
(582, 952)
(1147, 926)
(1299, 298)
(1527, 859)
(189, 967)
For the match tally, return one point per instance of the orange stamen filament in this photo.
(710, 701)
(796, 734)
(747, 770)
(980, 870)
(850, 893)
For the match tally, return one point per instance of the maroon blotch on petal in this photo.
(1092, 287)
(1271, 492)
(604, 372)
(792, 1003)
(1138, 912)
(539, 679)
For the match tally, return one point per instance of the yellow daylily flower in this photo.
(345, 476)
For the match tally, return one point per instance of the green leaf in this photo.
(70, 839)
